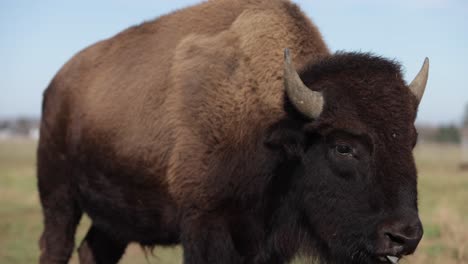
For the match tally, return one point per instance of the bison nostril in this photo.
(402, 244)
(396, 238)
(399, 239)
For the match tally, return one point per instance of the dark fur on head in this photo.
(341, 202)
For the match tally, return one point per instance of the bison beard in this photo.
(193, 129)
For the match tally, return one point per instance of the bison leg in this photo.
(60, 210)
(207, 240)
(57, 239)
(99, 247)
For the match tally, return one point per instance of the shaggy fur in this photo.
(178, 131)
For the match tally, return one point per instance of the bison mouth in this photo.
(363, 257)
(388, 259)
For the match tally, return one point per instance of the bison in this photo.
(231, 129)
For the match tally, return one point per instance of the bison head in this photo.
(348, 138)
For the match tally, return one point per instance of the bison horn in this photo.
(306, 101)
(418, 85)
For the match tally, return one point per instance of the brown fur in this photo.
(165, 98)
(158, 133)
(210, 82)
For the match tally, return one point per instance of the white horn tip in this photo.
(418, 85)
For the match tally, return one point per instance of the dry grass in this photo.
(443, 192)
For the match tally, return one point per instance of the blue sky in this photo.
(38, 37)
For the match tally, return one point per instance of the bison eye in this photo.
(344, 150)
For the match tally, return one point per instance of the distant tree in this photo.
(465, 118)
(464, 145)
(448, 134)
(22, 127)
(3, 124)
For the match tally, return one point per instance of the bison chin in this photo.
(343, 238)
(345, 246)
(357, 251)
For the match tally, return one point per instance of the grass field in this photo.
(443, 199)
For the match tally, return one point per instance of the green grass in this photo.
(443, 197)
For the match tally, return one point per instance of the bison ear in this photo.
(287, 137)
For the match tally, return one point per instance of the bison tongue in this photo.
(393, 259)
